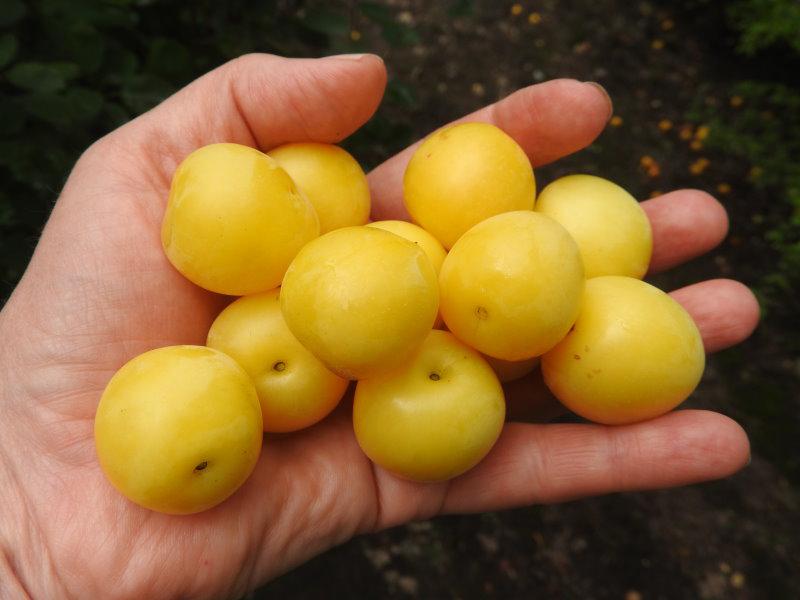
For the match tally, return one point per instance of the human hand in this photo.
(99, 290)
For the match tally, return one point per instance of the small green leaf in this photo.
(168, 59)
(143, 92)
(86, 48)
(120, 64)
(116, 114)
(396, 34)
(8, 48)
(11, 12)
(401, 94)
(77, 106)
(377, 12)
(83, 104)
(13, 115)
(42, 77)
(462, 8)
(326, 21)
(399, 35)
(6, 213)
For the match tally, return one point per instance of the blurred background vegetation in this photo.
(707, 95)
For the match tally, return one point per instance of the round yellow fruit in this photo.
(294, 387)
(511, 370)
(331, 179)
(634, 354)
(429, 244)
(608, 224)
(511, 287)
(360, 299)
(178, 429)
(234, 220)
(463, 174)
(433, 418)
(414, 233)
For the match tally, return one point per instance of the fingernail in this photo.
(353, 56)
(749, 460)
(605, 93)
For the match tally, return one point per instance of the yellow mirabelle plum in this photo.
(331, 179)
(634, 354)
(414, 233)
(511, 287)
(179, 429)
(511, 370)
(429, 244)
(294, 387)
(608, 224)
(360, 299)
(433, 418)
(234, 220)
(463, 174)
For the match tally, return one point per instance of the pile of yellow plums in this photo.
(428, 318)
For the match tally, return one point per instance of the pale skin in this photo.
(99, 291)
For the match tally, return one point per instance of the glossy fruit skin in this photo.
(360, 299)
(428, 429)
(429, 244)
(634, 354)
(608, 224)
(294, 387)
(511, 287)
(234, 220)
(463, 174)
(331, 179)
(414, 233)
(178, 429)
(511, 370)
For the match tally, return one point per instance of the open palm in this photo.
(99, 291)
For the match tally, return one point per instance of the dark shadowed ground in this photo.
(736, 538)
(675, 79)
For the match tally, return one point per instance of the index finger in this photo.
(549, 120)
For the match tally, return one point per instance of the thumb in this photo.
(263, 101)
(116, 193)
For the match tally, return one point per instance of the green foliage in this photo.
(764, 23)
(72, 70)
(765, 132)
